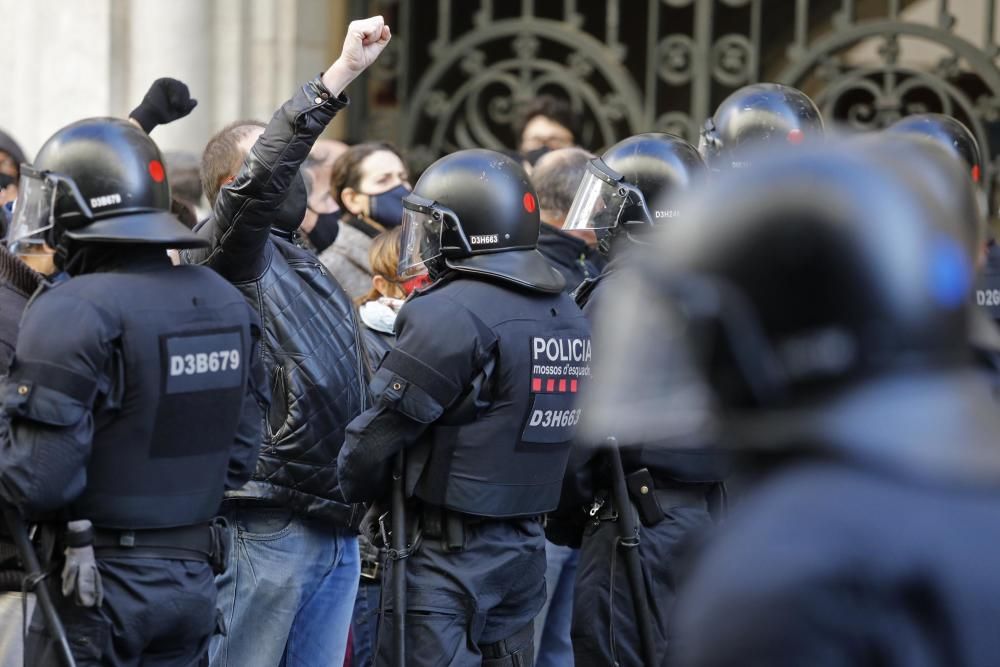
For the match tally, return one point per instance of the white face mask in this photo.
(380, 315)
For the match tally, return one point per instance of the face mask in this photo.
(535, 155)
(325, 232)
(415, 283)
(289, 215)
(387, 208)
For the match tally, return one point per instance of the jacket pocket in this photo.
(277, 414)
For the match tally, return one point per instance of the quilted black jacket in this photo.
(311, 339)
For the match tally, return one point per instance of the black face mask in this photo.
(289, 215)
(325, 232)
(535, 155)
(387, 208)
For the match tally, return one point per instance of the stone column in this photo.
(173, 39)
(58, 65)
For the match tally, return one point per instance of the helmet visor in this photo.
(33, 212)
(600, 199)
(421, 236)
(649, 388)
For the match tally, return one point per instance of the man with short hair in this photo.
(294, 569)
(556, 177)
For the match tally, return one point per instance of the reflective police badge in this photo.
(558, 367)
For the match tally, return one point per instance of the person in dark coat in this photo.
(293, 510)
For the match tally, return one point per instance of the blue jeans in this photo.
(553, 647)
(364, 626)
(288, 594)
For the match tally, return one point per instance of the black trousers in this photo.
(604, 630)
(156, 613)
(471, 607)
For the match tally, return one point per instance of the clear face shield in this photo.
(601, 199)
(423, 221)
(647, 388)
(34, 210)
(653, 348)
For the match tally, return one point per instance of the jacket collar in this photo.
(553, 236)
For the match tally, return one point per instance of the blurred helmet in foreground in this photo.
(783, 283)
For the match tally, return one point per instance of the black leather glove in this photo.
(370, 525)
(165, 101)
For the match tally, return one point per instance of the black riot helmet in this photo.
(786, 283)
(948, 133)
(634, 186)
(99, 180)
(475, 212)
(759, 114)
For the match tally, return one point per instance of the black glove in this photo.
(165, 101)
(371, 527)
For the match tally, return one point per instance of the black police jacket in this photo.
(311, 339)
(481, 383)
(870, 544)
(133, 397)
(571, 256)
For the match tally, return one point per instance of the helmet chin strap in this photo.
(607, 241)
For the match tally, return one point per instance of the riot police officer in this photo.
(628, 192)
(479, 391)
(823, 298)
(955, 138)
(755, 115)
(132, 402)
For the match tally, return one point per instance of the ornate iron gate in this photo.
(460, 69)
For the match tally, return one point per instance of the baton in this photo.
(33, 572)
(629, 543)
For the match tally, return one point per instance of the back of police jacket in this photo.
(134, 396)
(310, 343)
(483, 377)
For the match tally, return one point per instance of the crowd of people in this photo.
(695, 406)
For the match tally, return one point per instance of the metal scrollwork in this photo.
(871, 97)
(663, 65)
(676, 55)
(732, 60)
(477, 85)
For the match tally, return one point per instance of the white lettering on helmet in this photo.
(105, 200)
(483, 239)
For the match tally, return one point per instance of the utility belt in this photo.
(652, 502)
(438, 523)
(204, 542)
